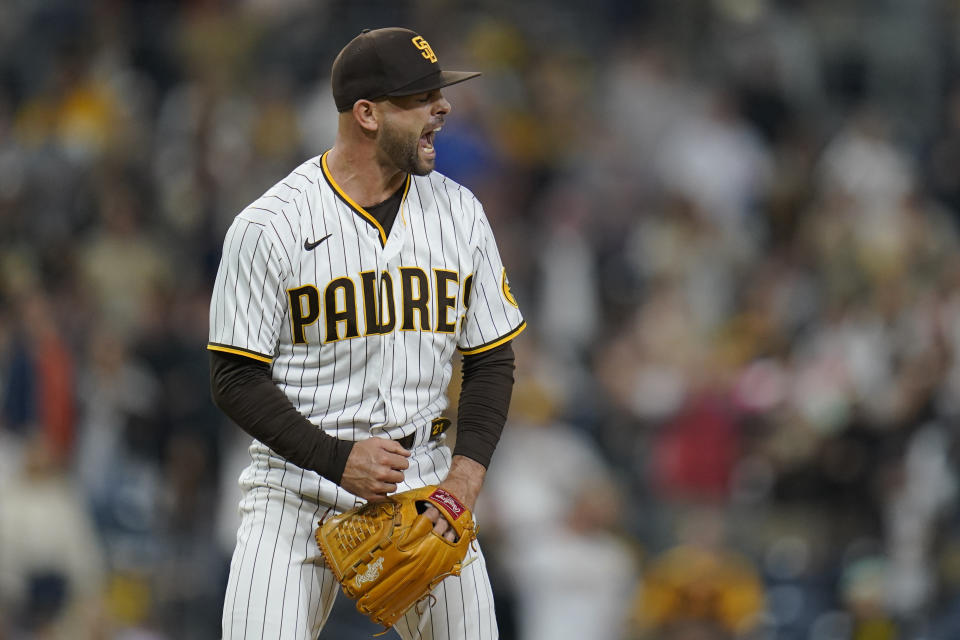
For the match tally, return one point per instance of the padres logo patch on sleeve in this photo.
(506, 289)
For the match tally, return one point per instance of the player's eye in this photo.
(429, 96)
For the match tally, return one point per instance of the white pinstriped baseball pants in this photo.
(279, 587)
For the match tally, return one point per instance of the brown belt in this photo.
(437, 427)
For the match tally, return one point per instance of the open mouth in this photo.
(426, 140)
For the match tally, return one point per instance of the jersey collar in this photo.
(363, 213)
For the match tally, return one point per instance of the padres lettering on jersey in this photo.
(360, 327)
(419, 311)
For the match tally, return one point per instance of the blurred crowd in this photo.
(731, 225)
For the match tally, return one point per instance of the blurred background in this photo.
(731, 225)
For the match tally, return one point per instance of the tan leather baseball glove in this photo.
(387, 557)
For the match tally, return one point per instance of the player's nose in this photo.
(442, 106)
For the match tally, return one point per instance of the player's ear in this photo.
(365, 113)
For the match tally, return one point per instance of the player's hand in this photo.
(374, 468)
(440, 525)
(464, 482)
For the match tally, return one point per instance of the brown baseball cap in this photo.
(388, 62)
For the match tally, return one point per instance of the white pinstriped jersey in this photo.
(360, 328)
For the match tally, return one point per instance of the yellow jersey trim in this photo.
(496, 343)
(403, 199)
(239, 352)
(356, 207)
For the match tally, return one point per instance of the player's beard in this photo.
(403, 150)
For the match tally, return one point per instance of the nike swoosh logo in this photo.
(310, 246)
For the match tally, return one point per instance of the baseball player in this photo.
(342, 294)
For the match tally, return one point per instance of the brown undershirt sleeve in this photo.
(243, 389)
(484, 401)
